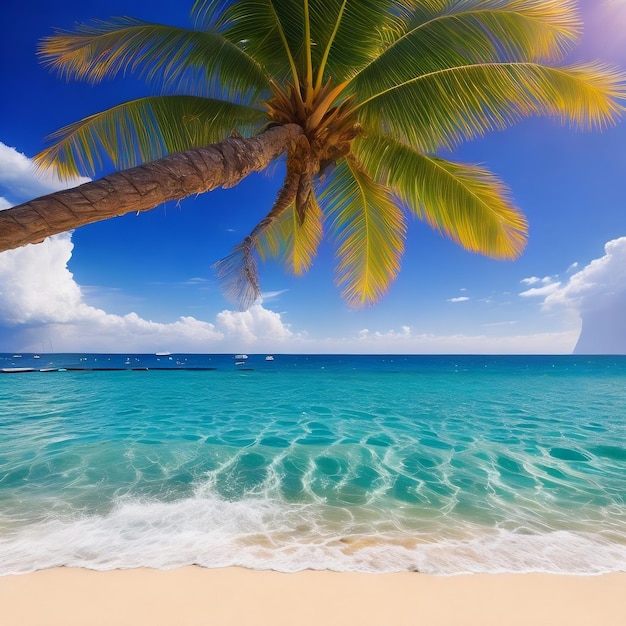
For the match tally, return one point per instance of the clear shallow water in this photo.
(368, 463)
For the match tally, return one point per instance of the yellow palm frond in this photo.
(465, 202)
(144, 130)
(445, 107)
(369, 229)
(295, 243)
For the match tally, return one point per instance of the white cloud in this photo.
(20, 178)
(257, 324)
(269, 295)
(459, 299)
(41, 303)
(597, 294)
(37, 290)
(540, 292)
(407, 341)
(533, 280)
(597, 283)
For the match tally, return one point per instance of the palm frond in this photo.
(441, 35)
(238, 271)
(239, 276)
(295, 243)
(209, 14)
(369, 228)
(270, 31)
(465, 202)
(144, 130)
(445, 107)
(204, 63)
(349, 35)
(344, 35)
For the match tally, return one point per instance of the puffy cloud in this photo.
(459, 299)
(36, 285)
(254, 325)
(42, 302)
(20, 178)
(598, 283)
(597, 294)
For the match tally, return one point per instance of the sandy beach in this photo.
(234, 596)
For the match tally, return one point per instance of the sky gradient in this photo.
(144, 283)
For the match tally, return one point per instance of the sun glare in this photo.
(605, 22)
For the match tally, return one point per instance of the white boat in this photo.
(163, 353)
(36, 357)
(241, 357)
(269, 357)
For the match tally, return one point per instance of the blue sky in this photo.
(145, 283)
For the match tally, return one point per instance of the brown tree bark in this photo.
(141, 188)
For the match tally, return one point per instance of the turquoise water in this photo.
(354, 463)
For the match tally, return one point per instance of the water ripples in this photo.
(347, 464)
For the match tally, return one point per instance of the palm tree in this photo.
(360, 95)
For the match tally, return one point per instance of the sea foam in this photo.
(269, 535)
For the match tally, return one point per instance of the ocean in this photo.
(437, 464)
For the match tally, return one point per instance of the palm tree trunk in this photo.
(141, 188)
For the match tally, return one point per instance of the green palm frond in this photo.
(369, 228)
(344, 34)
(465, 202)
(349, 35)
(295, 243)
(440, 35)
(270, 31)
(204, 63)
(445, 107)
(144, 130)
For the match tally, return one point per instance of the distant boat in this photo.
(163, 353)
(36, 357)
(240, 357)
(240, 362)
(269, 357)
